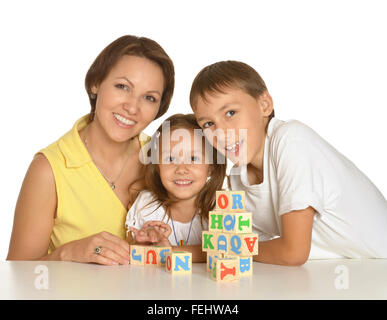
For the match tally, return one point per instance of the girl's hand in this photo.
(114, 250)
(153, 232)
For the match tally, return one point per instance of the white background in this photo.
(324, 63)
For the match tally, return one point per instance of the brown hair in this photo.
(205, 201)
(134, 46)
(226, 74)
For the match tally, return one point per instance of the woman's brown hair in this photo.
(227, 74)
(133, 46)
(205, 201)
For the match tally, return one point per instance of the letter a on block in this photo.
(250, 244)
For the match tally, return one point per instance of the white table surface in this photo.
(367, 279)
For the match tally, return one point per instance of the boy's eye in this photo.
(230, 113)
(150, 98)
(208, 124)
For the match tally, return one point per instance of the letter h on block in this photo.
(179, 262)
(230, 201)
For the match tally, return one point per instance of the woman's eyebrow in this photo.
(132, 85)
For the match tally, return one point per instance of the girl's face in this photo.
(183, 169)
(129, 98)
(229, 112)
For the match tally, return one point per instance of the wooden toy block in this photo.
(243, 244)
(222, 201)
(215, 221)
(231, 201)
(222, 242)
(211, 257)
(179, 262)
(209, 241)
(150, 256)
(162, 254)
(237, 222)
(245, 265)
(226, 269)
(137, 255)
(237, 201)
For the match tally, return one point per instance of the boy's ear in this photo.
(265, 102)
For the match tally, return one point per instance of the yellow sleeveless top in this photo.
(86, 204)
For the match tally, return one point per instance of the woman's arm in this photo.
(34, 221)
(293, 247)
(34, 214)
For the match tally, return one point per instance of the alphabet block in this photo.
(231, 201)
(237, 222)
(137, 255)
(209, 241)
(179, 262)
(225, 269)
(150, 256)
(162, 254)
(245, 265)
(211, 257)
(215, 221)
(243, 244)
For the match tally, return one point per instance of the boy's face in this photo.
(229, 112)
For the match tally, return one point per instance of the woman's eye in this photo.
(207, 124)
(150, 98)
(230, 113)
(122, 86)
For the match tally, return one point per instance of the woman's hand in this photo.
(153, 232)
(114, 250)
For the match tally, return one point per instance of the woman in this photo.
(73, 202)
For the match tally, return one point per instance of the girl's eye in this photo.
(230, 113)
(207, 124)
(195, 159)
(150, 98)
(169, 159)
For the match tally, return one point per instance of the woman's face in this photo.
(183, 167)
(128, 99)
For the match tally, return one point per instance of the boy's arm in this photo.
(197, 254)
(293, 247)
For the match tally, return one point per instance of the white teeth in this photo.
(123, 120)
(183, 181)
(229, 148)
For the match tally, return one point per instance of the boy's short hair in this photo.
(227, 74)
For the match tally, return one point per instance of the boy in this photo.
(307, 199)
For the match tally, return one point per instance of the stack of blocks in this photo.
(175, 262)
(229, 241)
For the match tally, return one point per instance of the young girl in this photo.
(181, 183)
(307, 199)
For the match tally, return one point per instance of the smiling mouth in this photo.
(124, 120)
(233, 148)
(183, 182)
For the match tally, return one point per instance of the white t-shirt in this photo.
(301, 170)
(144, 210)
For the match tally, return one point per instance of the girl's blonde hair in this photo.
(205, 201)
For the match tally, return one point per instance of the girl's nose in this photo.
(181, 168)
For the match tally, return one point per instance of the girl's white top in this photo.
(300, 170)
(142, 211)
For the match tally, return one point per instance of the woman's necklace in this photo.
(182, 242)
(113, 182)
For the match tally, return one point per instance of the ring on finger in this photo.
(98, 250)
